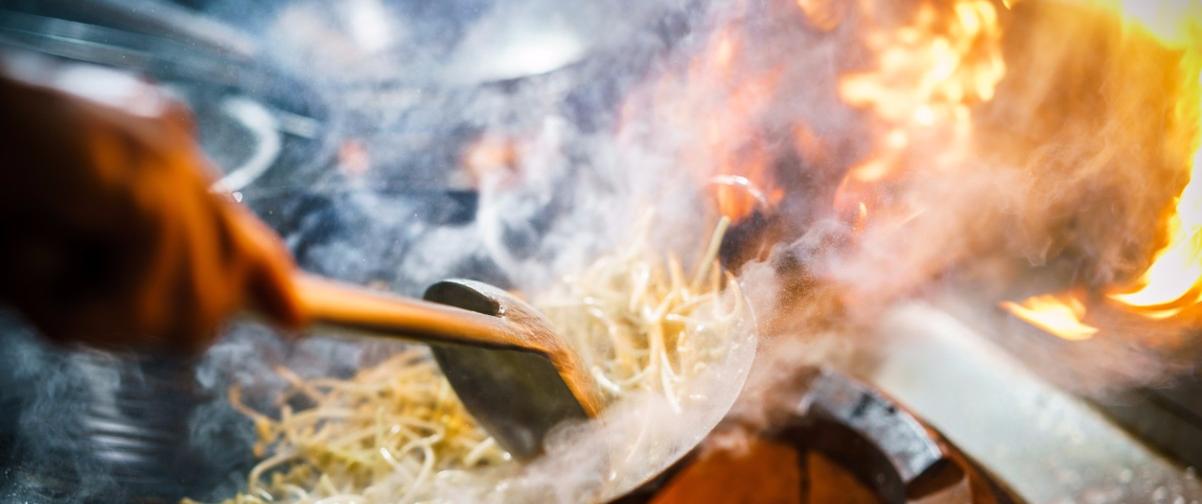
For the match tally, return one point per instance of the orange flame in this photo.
(1173, 282)
(930, 69)
(1058, 314)
(825, 15)
(729, 155)
(929, 72)
(726, 139)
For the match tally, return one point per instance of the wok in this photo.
(88, 426)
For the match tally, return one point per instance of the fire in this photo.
(725, 134)
(1058, 314)
(1172, 283)
(729, 98)
(1174, 23)
(825, 15)
(921, 102)
(929, 73)
(932, 61)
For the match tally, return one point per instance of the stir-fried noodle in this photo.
(389, 432)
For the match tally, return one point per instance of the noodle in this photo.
(388, 433)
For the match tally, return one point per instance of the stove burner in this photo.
(843, 427)
(863, 429)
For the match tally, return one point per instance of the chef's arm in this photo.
(109, 232)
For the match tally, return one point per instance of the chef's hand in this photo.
(109, 232)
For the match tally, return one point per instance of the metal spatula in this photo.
(509, 368)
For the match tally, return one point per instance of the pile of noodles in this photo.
(397, 433)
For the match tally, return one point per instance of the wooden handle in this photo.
(371, 313)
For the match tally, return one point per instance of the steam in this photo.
(43, 438)
(634, 439)
(575, 192)
(1069, 173)
(1076, 152)
(1057, 171)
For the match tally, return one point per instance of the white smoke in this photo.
(619, 131)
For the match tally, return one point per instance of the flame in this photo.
(810, 147)
(1058, 314)
(738, 197)
(931, 64)
(825, 15)
(1173, 23)
(929, 72)
(929, 69)
(730, 98)
(1173, 282)
(726, 136)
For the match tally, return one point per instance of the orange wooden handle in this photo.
(329, 303)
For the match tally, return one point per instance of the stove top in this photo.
(845, 441)
(326, 164)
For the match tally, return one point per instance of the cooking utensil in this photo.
(131, 421)
(509, 368)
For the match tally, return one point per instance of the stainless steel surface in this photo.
(1166, 415)
(100, 427)
(1049, 445)
(157, 18)
(161, 41)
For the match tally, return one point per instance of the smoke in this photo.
(43, 442)
(636, 438)
(984, 146)
(573, 191)
(1071, 169)
(1076, 155)
(1063, 161)
(1102, 148)
(1067, 165)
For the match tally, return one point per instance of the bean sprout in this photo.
(387, 433)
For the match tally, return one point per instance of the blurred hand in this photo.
(109, 233)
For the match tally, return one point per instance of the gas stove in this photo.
(843, 440)
(940, 414)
